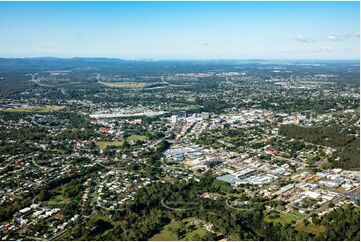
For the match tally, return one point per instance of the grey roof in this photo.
(229, 179)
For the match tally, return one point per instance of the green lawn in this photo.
(297, 214)
(286, 218)
(137, 137)
(31, 110)
(198, 229)
(311, 228)
(58, 197)
(104, 144)
(168, 232)
(283, 218)
(133, 85)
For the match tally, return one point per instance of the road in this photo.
(241, 209)
(175, 209)
(170, 84)
(37, 81)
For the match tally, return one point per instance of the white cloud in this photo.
(338, 37)
(323, 49)
(301, 38)
(202, 43)
(353, 34)
(333, 37)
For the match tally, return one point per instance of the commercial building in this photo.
(174, 119)
(206, 115)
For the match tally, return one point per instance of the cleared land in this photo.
(104, 144)
(136, 137)
(287, 218)
(311, 228)
(44, 109)
(280, 217)
(168, 232)
(58, 197)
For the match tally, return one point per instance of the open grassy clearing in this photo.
(45, 109)
(58, 197)
(105, 218)
(137, 137)
(198, 229)
(168, 232)
(104, 144)
(283, 218)
(286, 218)
(310, 228)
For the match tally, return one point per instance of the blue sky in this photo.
(181, 30)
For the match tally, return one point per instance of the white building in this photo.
(174, 119)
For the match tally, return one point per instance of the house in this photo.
(25, 210)
(270, 150)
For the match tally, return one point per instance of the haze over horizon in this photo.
(181, 30)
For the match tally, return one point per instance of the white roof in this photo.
(314, 195)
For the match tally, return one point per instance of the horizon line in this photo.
(178, 59)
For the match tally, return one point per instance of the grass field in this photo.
(168, 232)
(132, 85)
(311, 228)
(198, 229)
(58, 197)
(104, 144)
(45, 109)
(289, 217)
(283, 218)
(137, 137)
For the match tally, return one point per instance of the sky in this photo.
(181, 30)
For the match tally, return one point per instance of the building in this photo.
(230, 179)
(206, 115)
(182, 114)
(174, 119)
(213, 163)
(243, 173)
(137, 121)
(270, 150)
(314, 195)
